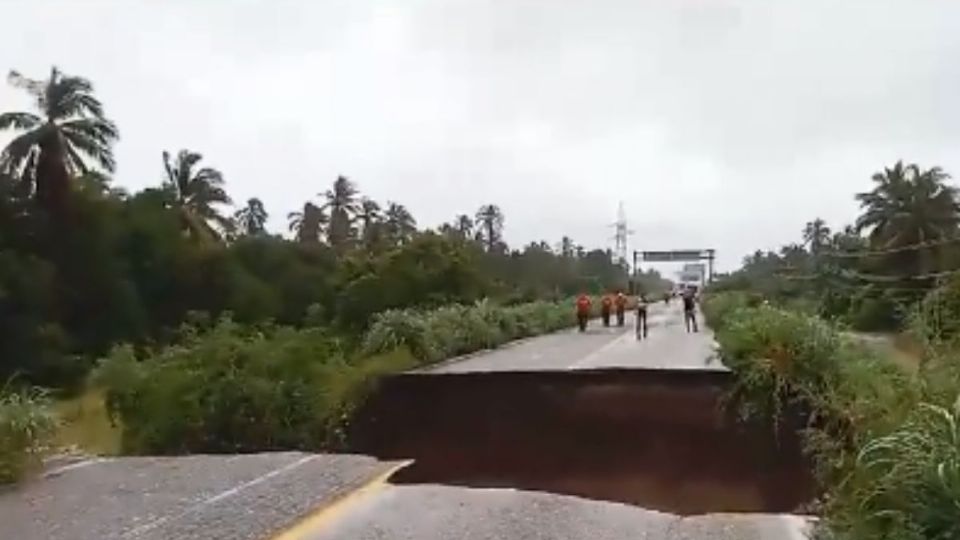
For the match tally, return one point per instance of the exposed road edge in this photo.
(336, 505)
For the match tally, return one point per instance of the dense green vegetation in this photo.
(85, 265)
(234, 387)
(884, 434)
(871, 273)
(26, 428)
(884, 438)
(216, 334)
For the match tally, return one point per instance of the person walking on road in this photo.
(606, 304)
(621, 303)
(690, 310)
(641, 316)
(583, 311)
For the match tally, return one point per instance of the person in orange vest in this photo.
(621, 302)
(606, 304)
(583, 311)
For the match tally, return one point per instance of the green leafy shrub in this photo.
(885, 441)
(233, 389)
(779, 357)
(437, 334)
(718, 307)
(27, 425)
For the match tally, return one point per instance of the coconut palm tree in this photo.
(370, 218)
(341, 205)
(489, 222)
(66, 133)
(908, 206)
(400, 224)
(816, 234)
(464, 225)
(567, 247)
(308, 224)
(252, 218)
(197, 193)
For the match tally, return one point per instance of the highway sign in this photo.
(676, 255)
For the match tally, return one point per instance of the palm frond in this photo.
(90, 147)
(19, 120)
(16, 154)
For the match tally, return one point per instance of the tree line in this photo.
(84, 264)
(871, 272)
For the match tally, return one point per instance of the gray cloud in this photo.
(722, 124)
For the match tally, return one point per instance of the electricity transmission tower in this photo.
(620, 236)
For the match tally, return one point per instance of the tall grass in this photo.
(885, 440)
(26, 428)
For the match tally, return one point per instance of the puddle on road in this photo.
(656, 439)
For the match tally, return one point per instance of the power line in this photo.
(881, 252)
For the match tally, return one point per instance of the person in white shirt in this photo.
(641, 316)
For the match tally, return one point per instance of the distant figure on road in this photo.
(641, 316)
(666, 298)
(690, 310)
(606, 304)
(583, 311)
(621, 303)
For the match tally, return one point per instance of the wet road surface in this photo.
(668, 345)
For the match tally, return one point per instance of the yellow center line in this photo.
(322, 517)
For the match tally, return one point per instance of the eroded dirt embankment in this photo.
(658, 439)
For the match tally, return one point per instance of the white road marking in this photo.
(73, 466)
(137, 531)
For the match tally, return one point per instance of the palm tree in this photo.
(817, 235)
(341, 204)
(252, 218)
(908, 206)
(567, 247)
(68, 130)
(197, 195)
(490, 226)
(370, 218)
(464, 226)
(400, 224)
(308, 224)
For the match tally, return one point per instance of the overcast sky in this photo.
(718, 124)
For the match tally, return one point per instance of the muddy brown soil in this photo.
(653, 438)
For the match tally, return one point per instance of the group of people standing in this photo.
(617, 303)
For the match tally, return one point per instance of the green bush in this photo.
(885, 441)
(719, 307)
(437, 334)
(27, 425)
(780, 357)
(233, 389)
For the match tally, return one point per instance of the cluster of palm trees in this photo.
(68, 130)
(346, 220)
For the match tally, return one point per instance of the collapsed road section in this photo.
(660, 439)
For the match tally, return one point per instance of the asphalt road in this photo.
(430, 512)
(241, 497)
(667, 346)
